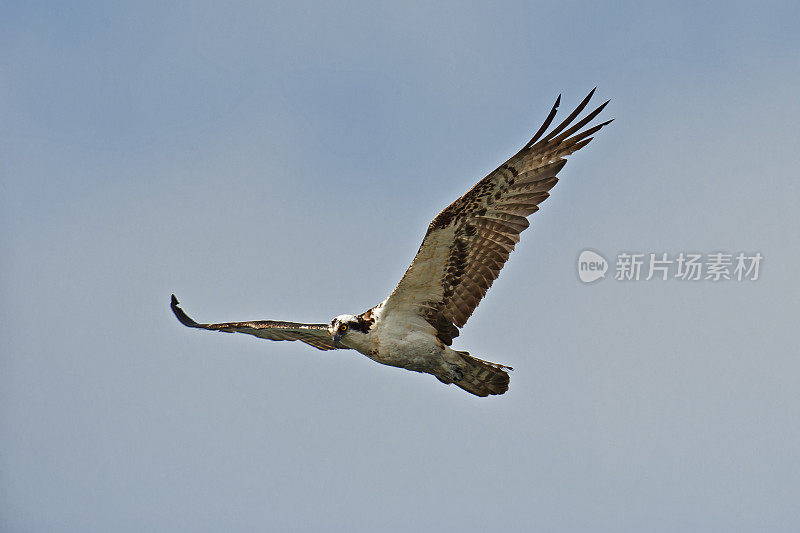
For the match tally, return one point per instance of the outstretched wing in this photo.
(468, 243)
(314, 334)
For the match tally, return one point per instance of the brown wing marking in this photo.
(315, 335)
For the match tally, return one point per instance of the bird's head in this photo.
(341, 327)
(350, 331)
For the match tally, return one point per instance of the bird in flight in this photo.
(461, 255)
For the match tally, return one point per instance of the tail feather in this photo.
(483, 378)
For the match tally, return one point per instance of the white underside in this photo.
(405, 340)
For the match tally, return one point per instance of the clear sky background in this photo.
(273, 161)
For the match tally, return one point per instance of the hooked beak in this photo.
(336, 338)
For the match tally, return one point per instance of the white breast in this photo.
(404, 339)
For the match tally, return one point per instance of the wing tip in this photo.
(560, 134)
(182, 317)
(550, 136)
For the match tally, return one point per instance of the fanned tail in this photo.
(483, 378)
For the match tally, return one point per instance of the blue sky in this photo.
(272, 161)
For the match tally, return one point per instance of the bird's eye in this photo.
(343, 327)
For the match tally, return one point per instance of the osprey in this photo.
(462, 253)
